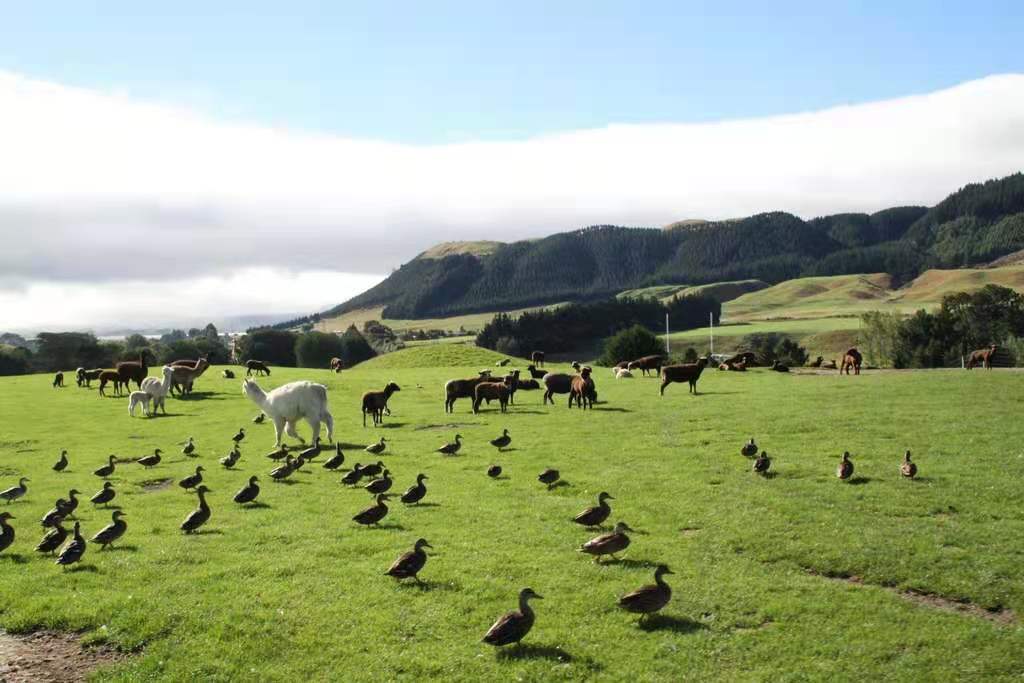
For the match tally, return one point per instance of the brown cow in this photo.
(851, 359)
(983, 356)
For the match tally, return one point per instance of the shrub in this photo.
(630, 344)
(316, 349)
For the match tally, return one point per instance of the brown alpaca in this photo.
(133, 371)
(851, 360)
(983, 356)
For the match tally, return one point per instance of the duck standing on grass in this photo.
(845, 469)
(452, 447)
(15, 492)
(608, 544)
(494, 471)
(199, 516)
(374, 513)
(108, 469)
(6, 531)
(237, 438)
(189, 448)
(749, 448)
(104, 495)
(192, 480)
(377, 448)
(549, 477)
(113, 531)
(595, 516)
(74, 550)
(148, 461)
(763, 463)
(651, 598)
(229, 460)
(513, 626)
(336, 460)
(409, 564)
(53, 539)
(414, 494)
(907, 468)
(248, 493)
(62, 463)
(502, 442)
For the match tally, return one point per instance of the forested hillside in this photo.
(974, 225)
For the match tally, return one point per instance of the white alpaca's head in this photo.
(250, 388)
(168, 371)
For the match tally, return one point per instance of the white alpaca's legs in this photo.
(330, 426)
(314, 424)
(289, 428)
(278, 426)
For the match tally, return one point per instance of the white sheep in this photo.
(138, 398)
(623, 373)
(157, 390)
(290, 403)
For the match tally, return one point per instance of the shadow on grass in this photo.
(664, 622)
(561, 483)
(858, 481)
(395, 526)
(201, 396)
(88, 568)
(613, 410)
(532, 651)
(205, 532)
(16, 558)
(258, 505)
(422, 504)
(392, 425)
(121, 548)
(427, 586)
(630, 563)
(768, 475)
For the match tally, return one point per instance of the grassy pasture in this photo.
(295, 590)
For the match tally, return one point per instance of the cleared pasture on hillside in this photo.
(296, 590)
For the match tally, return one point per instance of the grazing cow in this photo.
(537, 358)
(688, 372)
(257, 366)
(646, 363)
(851, 360)
(582, 389)
(983, 356)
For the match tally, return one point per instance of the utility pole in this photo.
(666, 335)
(711, 330)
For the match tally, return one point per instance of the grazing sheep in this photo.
(290, 403)
(688, 372)
(138, 398)
(336, 364)
(623, 373)
(111, 376)
(228, 374)
(491, 391)
(58, 380)
(851, 360)
(582, 389)
(537, 358)
(556, 383)
(376, 402)
(527, 385)
(462, 388)
(85, 377)
(647, 363)
(158, 389)
(983, 356)
(257, 366)
(133, 371)
(534, 372)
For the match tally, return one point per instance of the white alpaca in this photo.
(157, 390)
(623, 373)
(290, 403)
(138, 398)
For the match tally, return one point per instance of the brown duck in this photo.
(494, 471)
(107, 469)
(6, 531)
(200, 515)
(845, 469)
(749, 448)
(763, 463)
(409, 564)
(377, 448)
(192, 480)
(414, 494)
(549, 477)
(374, 513)
(452, 447)
(907, 468)
(381, 485)
(104, 495)
(649, 599)
(113, 531)
(336, 460)
(74, 550)
(148, 461)
(513, 627)
(502, 441)
(353, 476)
(248, 493)
(594, 516)
(53, 539)
(608, 544)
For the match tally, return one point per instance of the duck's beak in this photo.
(538, 597)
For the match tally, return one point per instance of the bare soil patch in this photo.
(50, 656)
(151, 485)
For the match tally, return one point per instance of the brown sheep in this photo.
(647, 363)
(851, 360)
(983, 356)
(376, 402)
(537, 358)
(688, 372)
(534, 372)
(111, 376)
(582, 389)
(556, 383)
(527, 385)
(257, 366)
(58, 380)
(512, 380)
(490, 391)
(133, 371)
(462, 388)
(336, 364)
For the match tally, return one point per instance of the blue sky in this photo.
(438, 72)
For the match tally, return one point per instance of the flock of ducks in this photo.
(844, 471)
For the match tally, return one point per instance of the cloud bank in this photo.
(97, 188)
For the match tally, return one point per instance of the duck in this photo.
(594, 516)
(200, 515)
(374, 513)
(72, 503)
(259, 418)
(353, 476)
(380, 485)
(372, 470)
(104, 495)
(845, 469)
(649, 599)
(237, 438)
(107, 469)
(248, 493)
(608, 544)
(502, 441)
(513, 626)
(494, 471)
(62, 462)
(336, 460)
(763, 463)
(192, 480)
(111, 532)
(56, 515)
(298, 463)
(15, 492)
(452, 447)
(6, 531)
(749, 448)
(148, 461)
(409, 564)
(311, 452)
(549, 477)
(189, 448)
(415, 493)
(282, 472)
(74, 550)
(229, 460)
(53, 539)
(377, 448)
(907, 468)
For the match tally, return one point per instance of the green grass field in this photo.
(796, 577)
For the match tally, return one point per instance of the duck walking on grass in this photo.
(763, 463)
(608, 544)
(414, 494)
(282, 472)
(15, 492)
(907, 468)
(749, 448)
(237, 438)
(56, 515)
(845, 469)
(410, 563)
(6, 531)
(192, 480)
(104, 495)
(373, 470)
(62, 463)
(311, 452)
(595, 516)
(353, 476)
(452, 447)
(651, 598)
(549, 477)
(381, 485)
(229, 460)
(74, 550)
(494, 471)
(200, 515)
(259, 418)
(108, 469)
(53, 539)
(248, 493)
(336, 460)
(113, 531)
(148, 461)
(502, 442)
(377, 448)
(72, 503)
(189, 448)
(513, 626)
(374, 513)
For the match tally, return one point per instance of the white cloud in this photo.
(97, 187)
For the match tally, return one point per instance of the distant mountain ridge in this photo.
(978, 223)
